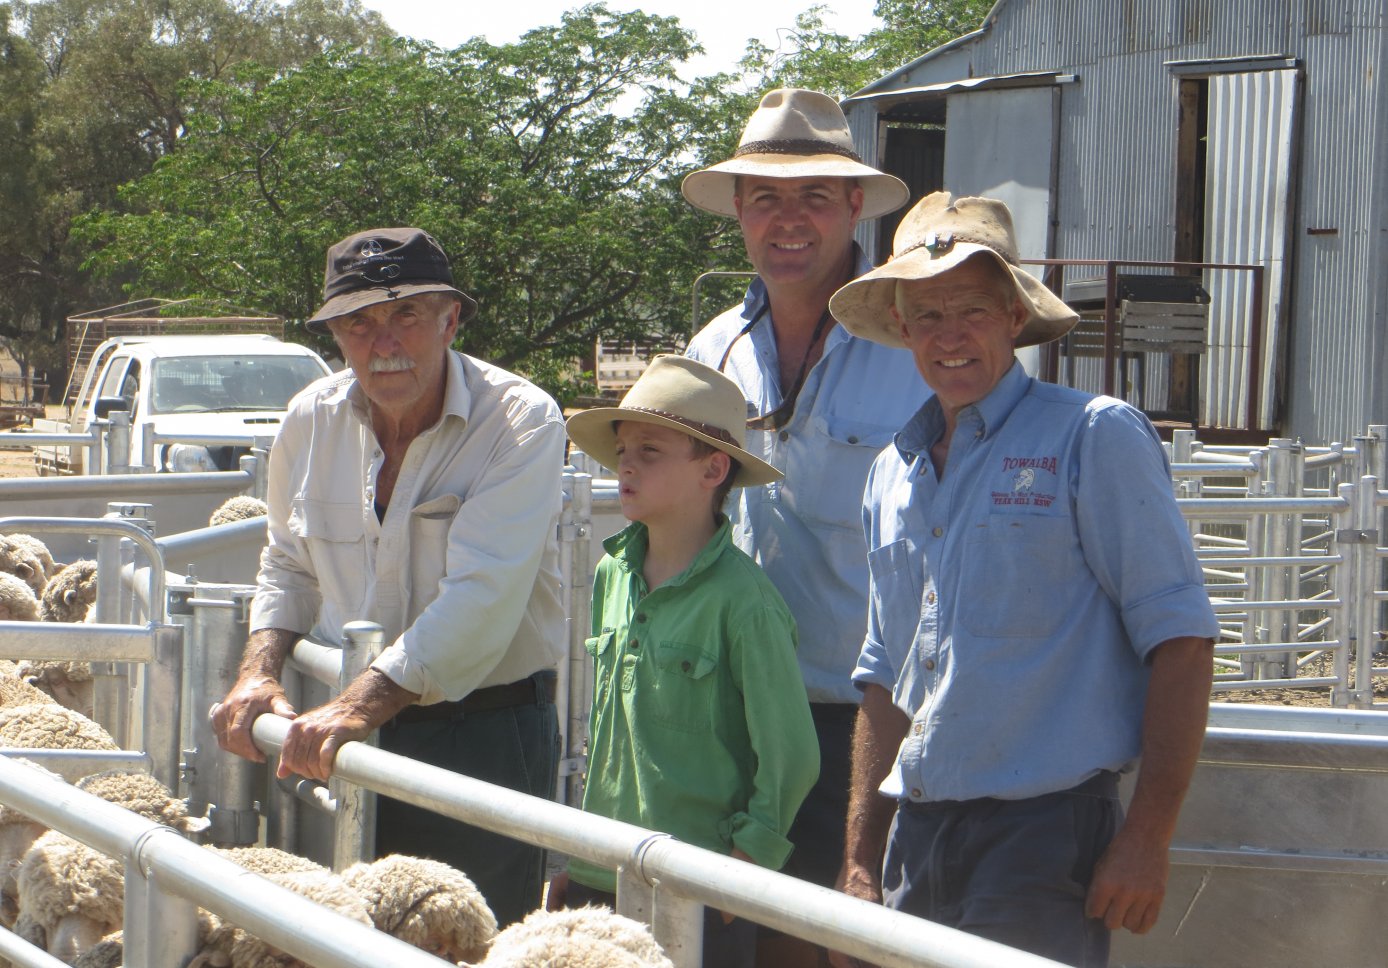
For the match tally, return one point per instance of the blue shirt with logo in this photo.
(806, 530)
(1015, 602)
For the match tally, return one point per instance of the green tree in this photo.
(558, 204)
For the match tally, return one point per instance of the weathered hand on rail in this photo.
(314, 737)
(250, 698)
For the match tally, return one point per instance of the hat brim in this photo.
(350, 302)
(864, 305)
(711, 189)
(595, 433)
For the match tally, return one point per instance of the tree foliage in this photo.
(216, 148)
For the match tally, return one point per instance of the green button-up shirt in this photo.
(700, 726)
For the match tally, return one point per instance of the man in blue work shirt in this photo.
(818, 412)
(1037, 618)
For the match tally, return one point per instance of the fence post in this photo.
(111, 680)
(354, 827)
(676, 922)
(220, 784)
(261, 451)
(161, 929)
(117, 442)
(576, 675)
(1360, 540)
(1344, 579)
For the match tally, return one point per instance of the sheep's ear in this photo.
(69, 597)
(194, 825)
(22, 570)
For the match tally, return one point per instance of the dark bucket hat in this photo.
(380, 265)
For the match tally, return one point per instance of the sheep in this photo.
(426, 903)
(109, 952)
(15, 691)
(18, 603)
(239, 507)
(68, 682)
(17, 834)
(268, 860)
(227, 946)
(41, 726)
(586, 937)
(70, 896)
(16, 559)
(70, 593)
(38, 550)
(142, 794)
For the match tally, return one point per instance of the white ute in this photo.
(225, 385)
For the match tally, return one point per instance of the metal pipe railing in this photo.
(859, 928)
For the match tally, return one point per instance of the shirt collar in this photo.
(628, 548)
(991, 412)
(457, 399)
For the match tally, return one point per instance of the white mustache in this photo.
(390, 364)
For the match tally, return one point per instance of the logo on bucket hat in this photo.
(380, 265)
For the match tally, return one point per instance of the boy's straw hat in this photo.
(687, 396)
(795, 133)
(937, 235)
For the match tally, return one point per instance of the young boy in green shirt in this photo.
(700, 725)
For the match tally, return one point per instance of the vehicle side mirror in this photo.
(105, 405)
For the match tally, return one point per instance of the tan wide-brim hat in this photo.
(687, 396)
(383, 265)
(795, 133)
(937, 235)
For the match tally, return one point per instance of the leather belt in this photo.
(532, 690)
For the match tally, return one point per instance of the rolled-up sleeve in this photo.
(496, 543)
(1132, 534)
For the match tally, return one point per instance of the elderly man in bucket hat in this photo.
(821, 404)
(420, 489)
(1037, 620)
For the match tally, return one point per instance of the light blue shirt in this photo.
(806, 530)
(1015, 602)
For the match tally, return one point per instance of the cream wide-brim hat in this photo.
(937, 235)
(684, 395)
(795, 133)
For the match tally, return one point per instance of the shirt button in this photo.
(685, 665)
(852, 439)
(937, 531)
(918, 729)
(784, 435)
(917, 793)
(929, 664)
(641, 617)
(930, 598)
(978, 434)
(635, 644)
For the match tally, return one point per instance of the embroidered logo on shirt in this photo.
(1029, 482)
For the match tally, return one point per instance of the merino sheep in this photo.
(227, 946)
(268, 860)
(240, 507)
(15, 691)
(425, 903)
(68, 682)
(49, 726)
(142, 794)
(17, 834)
(586, 937)
(70, 896)
(18, 560)
(17, 600)
(70, 593)
(109, 952)
(38, 550)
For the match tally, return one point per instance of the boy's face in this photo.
(659, 479)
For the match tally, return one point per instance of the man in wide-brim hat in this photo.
(419, 489)
(798, 190)
(1038, 620)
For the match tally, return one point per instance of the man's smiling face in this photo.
(797, 229)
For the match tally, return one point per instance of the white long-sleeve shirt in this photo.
(463, 572)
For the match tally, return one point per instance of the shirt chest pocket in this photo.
(683, 688)
(335, 538)
(898, 576)
(1030, 566)
(428, 548)
(829, 467)
(599, 649)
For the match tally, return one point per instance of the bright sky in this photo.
(722, 26)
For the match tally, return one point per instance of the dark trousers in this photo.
(516, 747)
(1012, 871)
(725, 945)
(818, 830)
